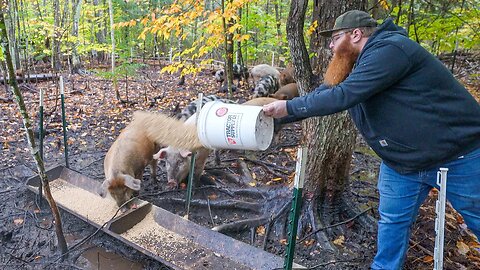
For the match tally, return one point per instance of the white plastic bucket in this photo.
(232, 126)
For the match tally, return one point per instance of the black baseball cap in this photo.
(351, 19)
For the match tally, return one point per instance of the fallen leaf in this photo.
(462, 248)
(261, 230)
(18, 221)
(339, 241)
(277, 179)
(308, 243)
(252, 184)
(212, 196)
(474, 244)
(283, 241)
(449, 216)
(427, 259)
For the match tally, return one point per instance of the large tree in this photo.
(330, 139)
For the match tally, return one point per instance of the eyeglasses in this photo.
(336, 37)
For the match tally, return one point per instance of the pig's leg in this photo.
(153, 169)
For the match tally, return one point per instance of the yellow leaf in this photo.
(312, 27)
(252, 184)
(462, 247)
(277, 179)
(254, 176)
(144, 21)
(383, 4)
(283, 241)
(339, 241)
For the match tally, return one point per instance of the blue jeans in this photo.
(402, 194)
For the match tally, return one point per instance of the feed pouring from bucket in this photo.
(232, 126)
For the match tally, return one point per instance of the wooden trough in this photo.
(164, 236)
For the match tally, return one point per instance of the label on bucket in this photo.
(221, 111)
(232, 129)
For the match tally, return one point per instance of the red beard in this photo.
(342, 63)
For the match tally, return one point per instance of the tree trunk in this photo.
(337, 130)
(228, 51)
(30, 138)
(56, 65)
(239, 56)
(100, 35)
(76, 8)
(112, 36)
(278, 23)
(330, 139)
(12, 18)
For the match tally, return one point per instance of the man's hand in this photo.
(276, 109)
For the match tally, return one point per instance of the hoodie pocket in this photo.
(391, 145)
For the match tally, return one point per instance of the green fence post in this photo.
(192, 162)
(64, 122)
(296, 206)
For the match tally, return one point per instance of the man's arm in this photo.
(379, 68)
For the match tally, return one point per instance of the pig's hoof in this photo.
(171, 185)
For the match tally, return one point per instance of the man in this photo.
(411, 111)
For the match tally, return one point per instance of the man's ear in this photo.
(357, 35)
(132, 182)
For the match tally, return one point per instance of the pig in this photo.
(191, 108)
(125, 162)
(260, 101)
(259, 71)
(285, 92)
(267, 85)
(240, 72)
(177, 161)
(286, 76)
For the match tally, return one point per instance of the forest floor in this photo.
(96, 118)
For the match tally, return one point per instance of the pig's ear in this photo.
(103, 189)
(185, 153)
(161, 154)
(132, 182)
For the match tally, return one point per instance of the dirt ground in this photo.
(95, 119)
